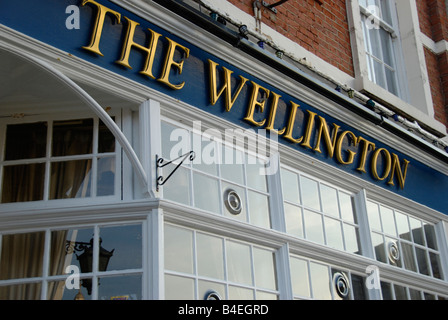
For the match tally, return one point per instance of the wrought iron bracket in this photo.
(272, 6)
(160, 163)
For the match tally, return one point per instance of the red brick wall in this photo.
(433, 21)
(320, 28)
(438, 71)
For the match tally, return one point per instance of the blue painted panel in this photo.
(45, 20)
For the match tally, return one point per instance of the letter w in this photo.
(214, 94)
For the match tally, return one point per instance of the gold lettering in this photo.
(351, 154)
(386, 170)
(272, 114)
(309, 130)
(367, 145)
(290, 126)
(331, 142)
(169, 63)
(396, 167)
(129, 43)
(254, 103)
(94, 45)
(214, 95)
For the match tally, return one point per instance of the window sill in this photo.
(396, 104)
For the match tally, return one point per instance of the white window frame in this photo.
(417, 99)
(399, 79)
(48, 159)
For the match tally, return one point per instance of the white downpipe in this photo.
(95, 107)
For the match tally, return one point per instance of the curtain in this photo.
(22, 254)
(21, 257)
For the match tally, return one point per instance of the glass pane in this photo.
(351, 239)
(435, 265)
(403, 226)
(387, 217)
(300, 277)
(329, 200)
(22, 255)
(408, 256)
(347, 210)
(293, 218)
(320, 281)
(392, 85)
(232, 165)
(310, 193)
(380, 77)
(126, 244)
(66, 248)
(178, 249)
(256, 177)
(72, 137)
(374, 216)
(290, 186)
(313, 227)
(239, 267)
(70, 179)
(400, 292)
(210, 256)
(177, 188)
(415, 294)
(120, 288)
(207, 156)
(429, 296)
(417, 231)
(57, 290)
(238, 293)
(422, 262)
(206, 193)
(23, 183)
(28, 291)
(206, 287)
(359, 288)
(386, 291)
(266, 296)
(333, 232)
(386, 45)
(178, 288)
(430, 234)
(386, 14)
(106, 177)
(175, 141)
(374, 36)
(106, 140)
(264, 263)
(378, 245)
(259, 209)
(26, 141)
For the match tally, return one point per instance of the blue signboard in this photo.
(113, 38)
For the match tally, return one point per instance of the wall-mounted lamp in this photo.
(218, 18)
(243, 31)
(86, 258)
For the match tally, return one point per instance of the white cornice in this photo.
(436, 47)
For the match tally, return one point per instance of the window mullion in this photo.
(46, 264)
(47, 161)
(276, 196)
(284, 273)
(441, 237)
